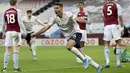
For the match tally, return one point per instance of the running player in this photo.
(12, 26)
(30, 21)
(82, 26)
(112, 12)
(67, 22)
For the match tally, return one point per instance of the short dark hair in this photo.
(59, 4)
(29, 11)
(13, 2)
(81, 3)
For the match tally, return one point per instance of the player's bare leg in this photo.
(107, 53)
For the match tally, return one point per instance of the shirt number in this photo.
(10, 18)
(109, 11)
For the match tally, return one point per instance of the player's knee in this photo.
(8, 49)
(69, 46)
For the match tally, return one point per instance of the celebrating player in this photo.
(12, 26)
(67, 22)
(29, 22)
(82, 26)
(112, 11)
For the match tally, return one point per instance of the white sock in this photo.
(6, 59)
(16, 60)
(92, 63)
(78, 53)
(33, 47)
(118, 52)
(78, 59)
(107, 54)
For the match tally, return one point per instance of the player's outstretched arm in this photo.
(44, 29)
(82, 20)
(39, 22)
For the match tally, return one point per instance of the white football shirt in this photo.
(30, 23)
(67, 24)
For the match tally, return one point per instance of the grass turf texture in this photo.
(59, 60)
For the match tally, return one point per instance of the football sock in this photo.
(107, 53)
(118, 52)
(6, 59)
(78, 53)
(15, 59)
(33, 47)
(92, 63)
(78, 59)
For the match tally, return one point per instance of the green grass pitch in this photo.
(59, 60)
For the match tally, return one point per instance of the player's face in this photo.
(81, 6)
(58, 10)
(29, 14)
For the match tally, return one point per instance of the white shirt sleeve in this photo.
(71, 15)
(51, 21)
(39, 21)
(119, 9)
(21, 22)
(3, 23)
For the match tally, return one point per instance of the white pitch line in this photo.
(54, 68)
(45, 69)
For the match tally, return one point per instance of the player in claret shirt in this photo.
(82, 13)
(12, 26)
(112, 12)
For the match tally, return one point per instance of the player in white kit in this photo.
(11, 27)
(30, 21)
(66, 21)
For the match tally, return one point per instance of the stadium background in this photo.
(93, 7)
